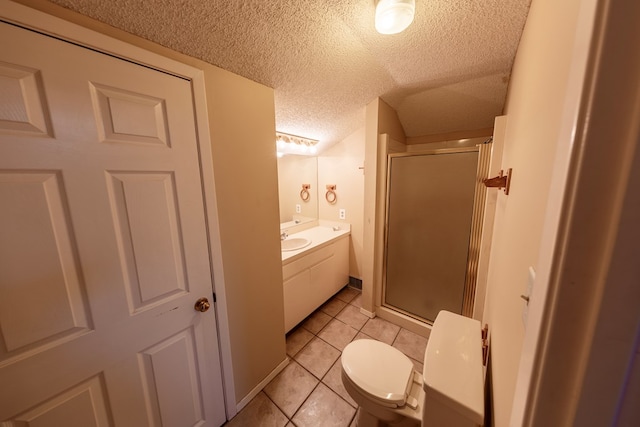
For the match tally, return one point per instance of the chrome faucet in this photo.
(283, 235)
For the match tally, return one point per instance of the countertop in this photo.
(320, 236)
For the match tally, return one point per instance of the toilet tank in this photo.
(453, 380)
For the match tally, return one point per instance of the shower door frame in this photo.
(482, 169)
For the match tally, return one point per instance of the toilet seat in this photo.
(380, 372)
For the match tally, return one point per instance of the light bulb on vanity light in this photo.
(394, 16)
(290, 144)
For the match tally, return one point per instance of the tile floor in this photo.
(309, 391)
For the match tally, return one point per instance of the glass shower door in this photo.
(429, 217)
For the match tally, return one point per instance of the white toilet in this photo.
(449, 392)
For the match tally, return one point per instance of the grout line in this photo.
(304, 401)
(276, 405)
(303, 347)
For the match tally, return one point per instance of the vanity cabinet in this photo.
(309, 281)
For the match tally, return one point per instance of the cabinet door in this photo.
(341, 264)
(298, 302)
(323, 279)
(330, 274)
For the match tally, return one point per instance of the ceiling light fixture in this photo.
(292, 143)
(394, 16)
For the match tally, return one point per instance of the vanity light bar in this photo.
(294, 139)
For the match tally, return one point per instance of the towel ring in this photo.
(331, 194)
(304, 193)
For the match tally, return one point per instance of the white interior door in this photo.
(103, 245)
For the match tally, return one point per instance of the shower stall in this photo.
(434, 208)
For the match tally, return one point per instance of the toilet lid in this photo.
(378, 369)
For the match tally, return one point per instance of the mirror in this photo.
(294, 171)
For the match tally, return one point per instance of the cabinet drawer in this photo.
(307, 261)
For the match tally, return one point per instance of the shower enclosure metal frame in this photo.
(468, 296)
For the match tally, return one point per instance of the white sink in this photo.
(295, 243)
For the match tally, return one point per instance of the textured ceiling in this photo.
(447, 72)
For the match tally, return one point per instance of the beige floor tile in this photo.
(290, 388)
(351, 316)
(333, 306)
(337, 334)
(324, 408)
(317, 357)
(315, 322)
(296, 340)
(260, 412)
(333, 380)
(357, 301)
(411, 344)
(347, 294)
(381, 330)
(362, 336)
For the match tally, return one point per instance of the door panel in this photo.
(42, 302)
(23, 108)
(169, 369)
(149, 239)
(103, 243)
(124, 116)
(82, 405)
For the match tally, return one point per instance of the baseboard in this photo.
(257, 389)
(404, 321)
(369, 314)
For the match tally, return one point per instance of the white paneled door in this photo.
(103, 243)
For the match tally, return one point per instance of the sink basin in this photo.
(295, 243)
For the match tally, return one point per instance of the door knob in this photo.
(202, 305)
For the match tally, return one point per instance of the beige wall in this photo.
(341, 165)
(380, 118)
(389, 122)
(586, 334)
(457, 143)
(245, 172)
(244, 162)
(534, 112)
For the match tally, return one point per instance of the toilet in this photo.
(448, 393)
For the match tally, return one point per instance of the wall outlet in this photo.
(298, 208)
(342, 214)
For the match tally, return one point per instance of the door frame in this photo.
(581, 338)
(47, 24)
(387, 193)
